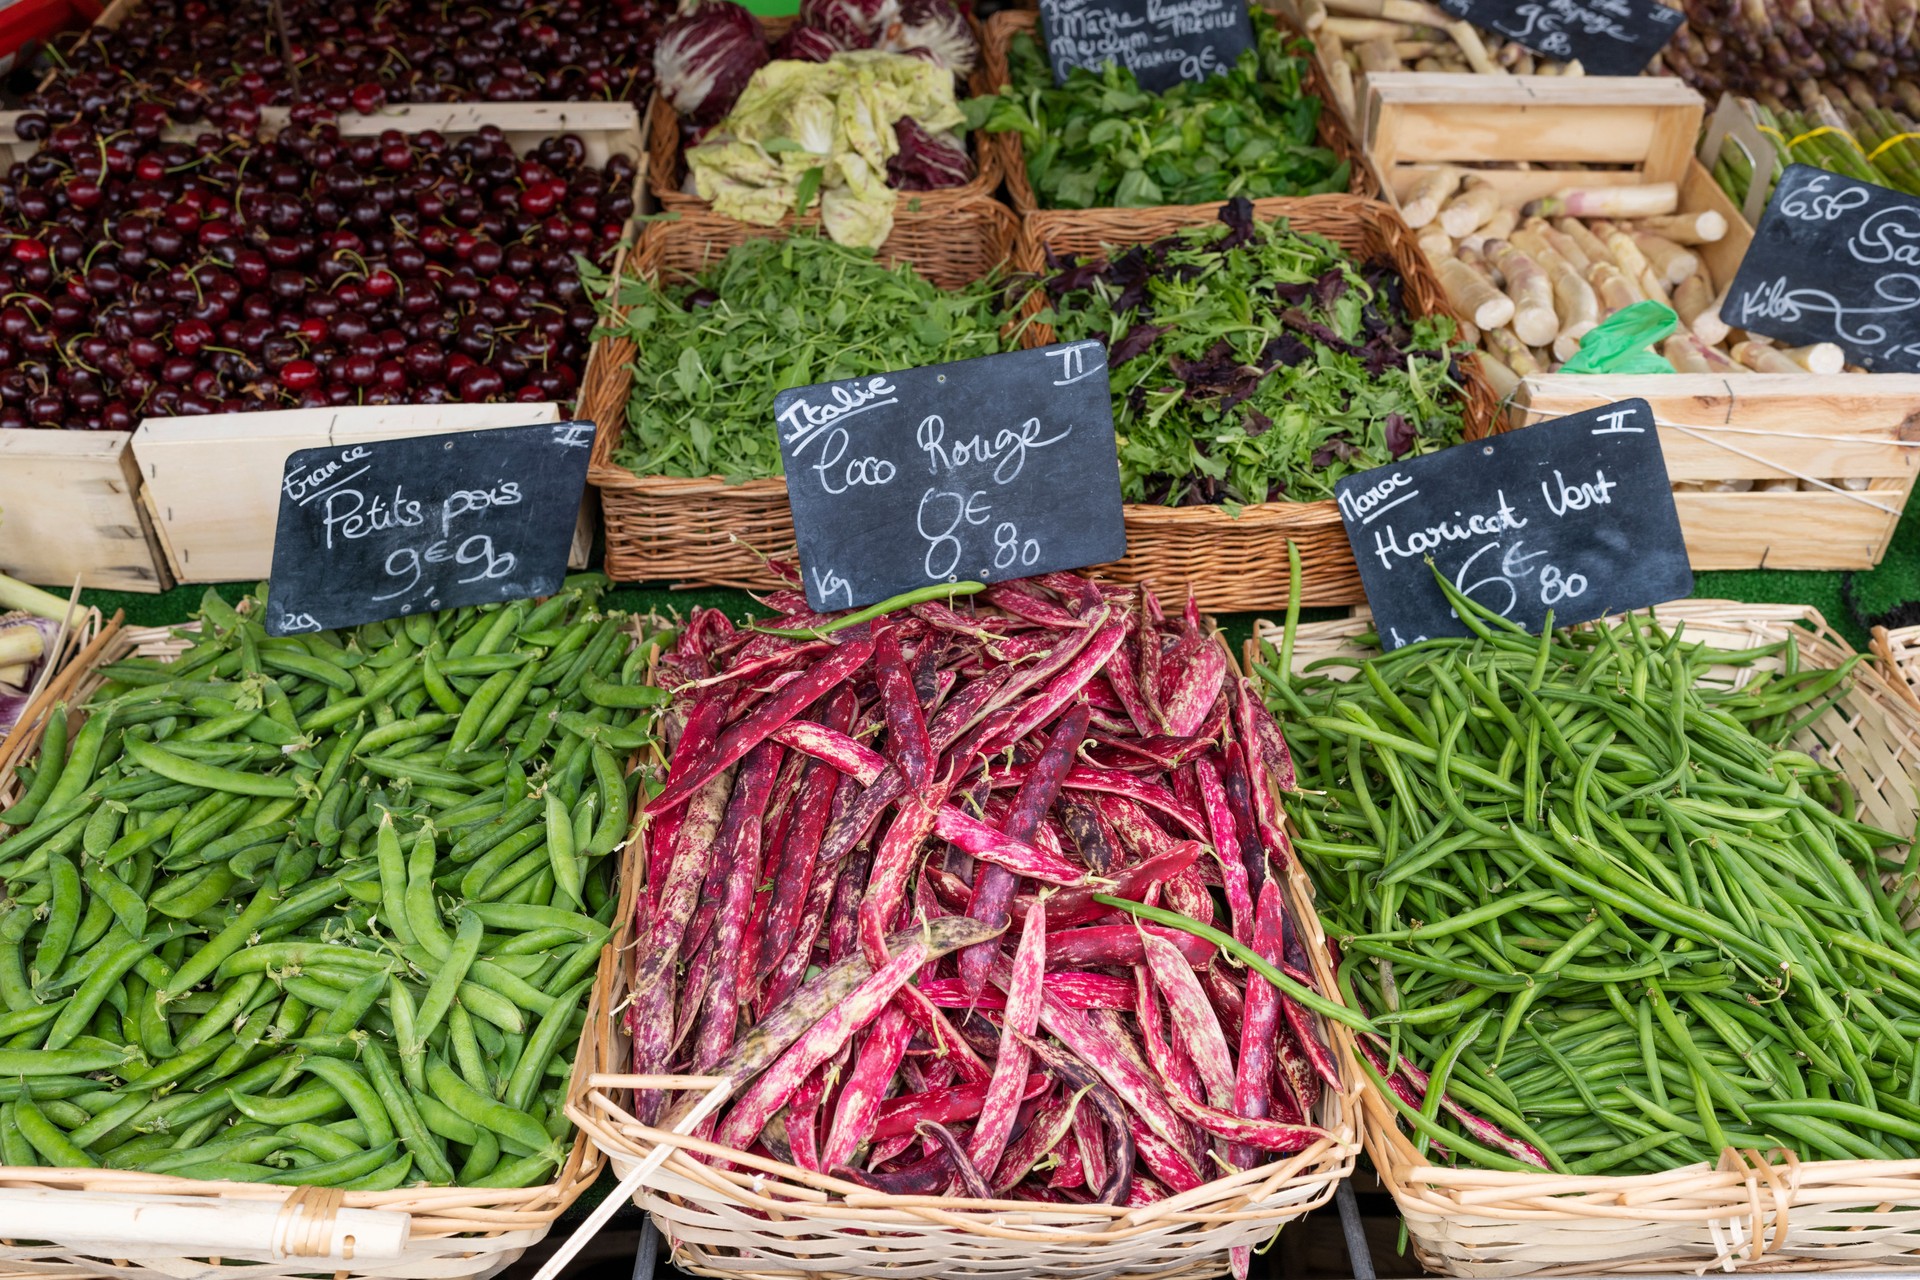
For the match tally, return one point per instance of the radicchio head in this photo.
(854, 23)
(705, 58)
(927, 161)
(937, 27)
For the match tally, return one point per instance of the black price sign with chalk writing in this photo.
(988, 469)
(1607, 37)
(393, 527)
(1574, 516)
(1834, 260)
(1161, 41)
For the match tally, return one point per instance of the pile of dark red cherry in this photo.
(147, 276)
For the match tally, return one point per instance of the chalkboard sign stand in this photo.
(1163, 42)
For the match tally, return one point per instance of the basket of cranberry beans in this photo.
(145, 275)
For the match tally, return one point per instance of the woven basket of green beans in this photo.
(329, 911)
(1632, 907)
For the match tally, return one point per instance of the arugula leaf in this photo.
(1098, 141)
(775, 313)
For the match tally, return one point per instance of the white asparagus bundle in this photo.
(1588, 243)
(1633, 263)
(1473, 295)
(1673, 263)
(1477, 202)
(1356, 31)
(1468, 39)
(1423, 202)
(1764, 359)
(1562, 244)
(1646, 201)
(1820, 357)
(1534, 319)
(1409, 11)
(1687, 228)
(1699, 310)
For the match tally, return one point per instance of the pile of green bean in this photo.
(321, 909)
(1607, 921)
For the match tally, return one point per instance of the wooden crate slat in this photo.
(68, 509)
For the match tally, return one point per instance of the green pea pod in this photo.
(541, 1047)
(63, 917)
(426, 1148)
(406, 1035)
(310, 1103)
(82, 761)
(482, 1156)
(467, 731)
(447, 981)
(560, 850)
(83, 1003)
(128, 906)
(516, 1127)
(607, 694)
(308, 667)
(615, 804)
(103, 828)
(232, 1003)
(444, 1121)
(48, 1139)
(360, 1096)
(343, 1172)
(149, 834)
(53, 758)
(504, 710)
(523, 1172)
(212, 777)
(437, 687)
(201, 965)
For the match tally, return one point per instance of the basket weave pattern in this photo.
(1234, 563)
(457, 1233)
(1012, 161)
(1752, 1211)
(706, 530)
(667, 167)
(766, 1220)
(1899, 650)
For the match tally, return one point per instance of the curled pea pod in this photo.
(311, 1103)
(53, 756)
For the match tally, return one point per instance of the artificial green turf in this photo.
(1889, 593)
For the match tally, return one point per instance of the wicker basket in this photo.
(1900, 651)
(455, 1232)
(706, 530)
(772, 1221)
(70, 643)
(1748, 1213)
(667, 167)
(1012, 161)
(765, 1220)
(1235, 563)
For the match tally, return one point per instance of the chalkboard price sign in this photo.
(391, 527)
(1834, 260)
(1161, 41)
(1574, 516)
(1000, 467)
(1608, 37)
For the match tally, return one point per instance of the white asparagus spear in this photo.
(1391, 10)
(1468, 39)
(1498, 227)
(1377, 57)
(1820, 357)
(1503, 380)
(1717, 361)
(1340, 84)
(1686, 228)
(1678, 349)
(1470, 333)
(1474, 258)
(1534, 320)
(1672, 262)
(1473, 206)
(1357, 30)
(1627, 256)
(1517, 355)
(1611, 287)
(1648, 201)
(1312, 14)
(1588, 243)
(1422, 204)
(1473, 295)
(1763, 359)
(15, 676)
(1562, 244)
(1435, 242)
(1693, 300)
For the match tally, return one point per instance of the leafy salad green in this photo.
(1253, 363)
(775, 313)
(1100, 141)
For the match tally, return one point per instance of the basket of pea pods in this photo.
(301, 936)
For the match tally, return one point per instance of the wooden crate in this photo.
(1769, 426)
(211, 484)
(68, 509)
(1740, 427)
